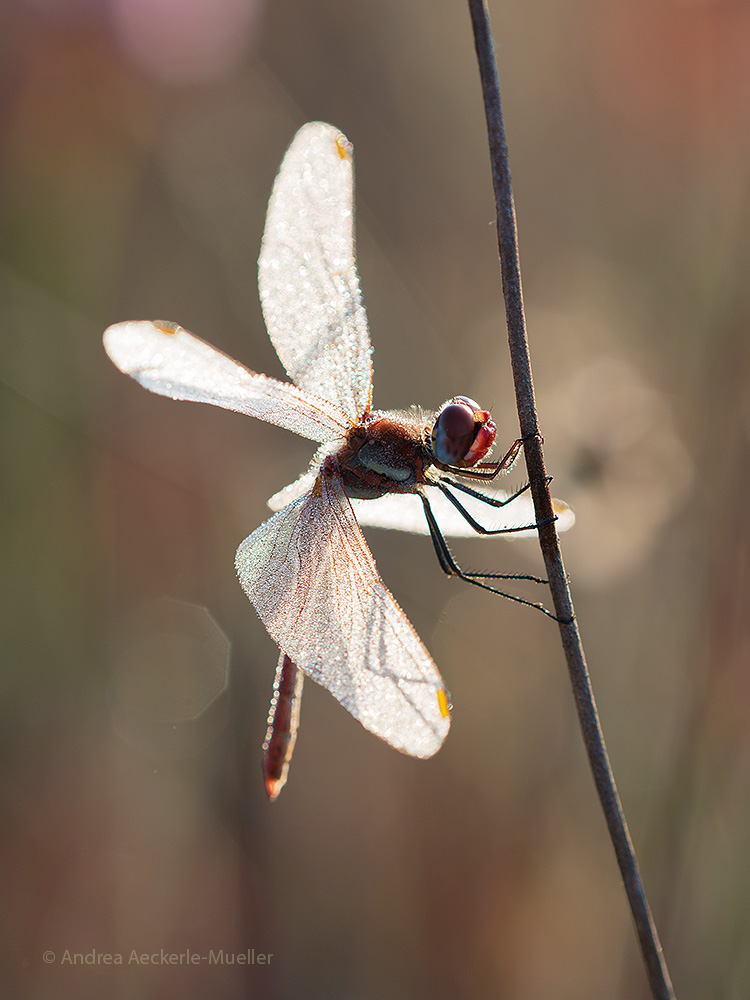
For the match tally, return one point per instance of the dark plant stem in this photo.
(658, 974)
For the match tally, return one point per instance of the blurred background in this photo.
(140, 139)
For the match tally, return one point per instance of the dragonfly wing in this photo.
(172, 362)
(309, 288)
(314, 583)
(301, 485)
(404, 512)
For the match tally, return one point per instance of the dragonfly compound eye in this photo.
(454, 431)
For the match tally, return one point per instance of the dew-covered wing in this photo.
(404, 511)
(314, 583)
(303, 484)
(172, 362)
(309, 288)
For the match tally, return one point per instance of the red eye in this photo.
(453, 433)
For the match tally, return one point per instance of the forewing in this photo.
(314, 583)
(172, 362)
(309, 288)
(404, 511)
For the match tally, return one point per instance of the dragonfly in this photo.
(308, 570)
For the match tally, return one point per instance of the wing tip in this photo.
(565, 514)
(122, 339)
(426, 746)
(432, 747)
(114, 338)
(311, 132)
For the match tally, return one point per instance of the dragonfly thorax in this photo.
(385, 455)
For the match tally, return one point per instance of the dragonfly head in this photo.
(462, 433)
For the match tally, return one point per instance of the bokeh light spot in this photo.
(168, 682)
(186, 41)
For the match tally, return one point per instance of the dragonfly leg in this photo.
(488, 470)
(451, 568)
(443, 484)
(490, 501)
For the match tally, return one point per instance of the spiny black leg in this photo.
(490, 501)
(506, 462)
(488, 470)
(480, 529)
(447, 560)
(439, 543)
(476, 472)
(451, 568)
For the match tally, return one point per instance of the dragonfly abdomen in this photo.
(283, 722)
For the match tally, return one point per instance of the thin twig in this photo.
(658, 974)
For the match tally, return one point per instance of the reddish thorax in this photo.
(385, 454)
